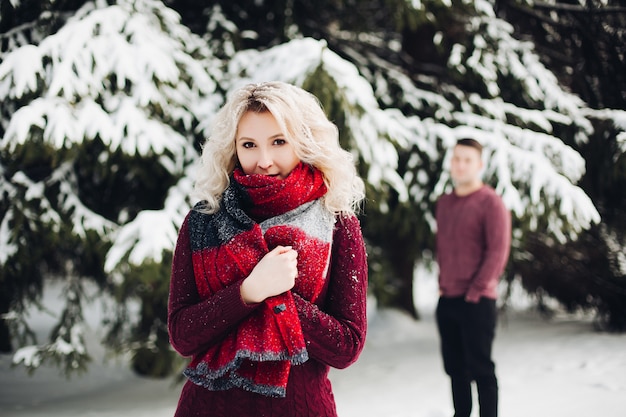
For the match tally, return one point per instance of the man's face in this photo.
(466, 165)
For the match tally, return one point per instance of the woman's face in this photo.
(262, 147)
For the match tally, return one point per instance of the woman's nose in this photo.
(265, 160)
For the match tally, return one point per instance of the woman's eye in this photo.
(279, 141)
(248, 145)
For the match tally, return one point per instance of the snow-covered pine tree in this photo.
(585, 46)
(98, 135)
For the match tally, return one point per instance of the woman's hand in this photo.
(274, 274)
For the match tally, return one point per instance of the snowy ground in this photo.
(554, 368)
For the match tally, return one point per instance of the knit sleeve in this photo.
(497, 242)
(196, 324)
(335, 335)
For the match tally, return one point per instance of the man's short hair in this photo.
(472, 143)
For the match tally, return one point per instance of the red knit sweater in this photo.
(334, 331)
(473, 242)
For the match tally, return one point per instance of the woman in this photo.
(269, 277)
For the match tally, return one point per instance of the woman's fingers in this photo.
(274, 274)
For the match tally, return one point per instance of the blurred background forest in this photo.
(105, 104)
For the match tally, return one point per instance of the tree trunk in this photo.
(403, 257)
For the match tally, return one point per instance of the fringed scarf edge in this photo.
(226, 377)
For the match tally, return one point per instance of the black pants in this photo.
(467, 331)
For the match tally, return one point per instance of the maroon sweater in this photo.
(334, 331)
(473, 243)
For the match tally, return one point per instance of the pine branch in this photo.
(579, 9)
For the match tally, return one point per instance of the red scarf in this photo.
(226, 246)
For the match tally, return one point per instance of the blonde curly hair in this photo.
(300, 116)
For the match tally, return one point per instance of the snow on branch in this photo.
(83, 218)
(35, 191)
(152, 232)
(495, 55)
(20, 71)
(145, 237)
(123, 73)
(618, 118)
(9, 244)
(128, 128)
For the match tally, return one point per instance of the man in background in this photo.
(473, 243)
